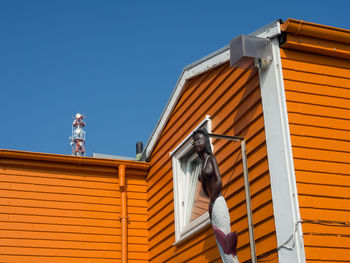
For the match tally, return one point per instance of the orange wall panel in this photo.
(69, 213)
(318, 95)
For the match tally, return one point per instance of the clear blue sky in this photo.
(116, 62)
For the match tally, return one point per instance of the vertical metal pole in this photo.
(248, 201)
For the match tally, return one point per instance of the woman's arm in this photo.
(216, 183)
(204, 186)
(201, 179)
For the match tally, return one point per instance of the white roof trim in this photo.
(211, 61)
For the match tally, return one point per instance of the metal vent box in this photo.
(244, 49)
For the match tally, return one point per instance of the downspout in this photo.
(124, 216)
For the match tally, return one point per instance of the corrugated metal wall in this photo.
(318, 101)
(232, 98)
(52, 212)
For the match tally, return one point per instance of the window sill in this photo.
(197, 226)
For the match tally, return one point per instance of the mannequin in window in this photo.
(210, 179)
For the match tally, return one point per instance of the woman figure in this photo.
(218, 211)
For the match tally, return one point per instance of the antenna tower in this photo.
(77, 140)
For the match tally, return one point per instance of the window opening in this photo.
(190, 202)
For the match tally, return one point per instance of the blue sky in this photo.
(116, 62)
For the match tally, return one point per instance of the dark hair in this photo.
(206, 135)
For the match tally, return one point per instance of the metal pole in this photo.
(246, 189)
(248, 201)
(227, 137)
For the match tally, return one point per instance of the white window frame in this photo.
(182, 231)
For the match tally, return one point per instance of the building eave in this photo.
(299, 27)
(314, 38)
(68, 159)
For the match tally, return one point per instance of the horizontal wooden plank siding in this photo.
(69, 213)
(318, 101)
(232, 99)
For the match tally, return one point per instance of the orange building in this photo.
(287, 97)
(57, 208)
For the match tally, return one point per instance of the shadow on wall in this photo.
(244, 113)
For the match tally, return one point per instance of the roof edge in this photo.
(67, 159)
(300, 27)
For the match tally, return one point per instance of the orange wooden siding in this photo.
(232, 98)
(61, 212)
(318, 101)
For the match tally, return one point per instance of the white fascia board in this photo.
(269, 31)
(280, 159)
(211, 61)
(206, 63)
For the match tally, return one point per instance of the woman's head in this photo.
(201, 137)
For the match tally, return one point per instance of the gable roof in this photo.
(202, 65)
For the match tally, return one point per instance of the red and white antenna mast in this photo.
(77, 140)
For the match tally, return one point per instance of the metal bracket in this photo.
(123, 217)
